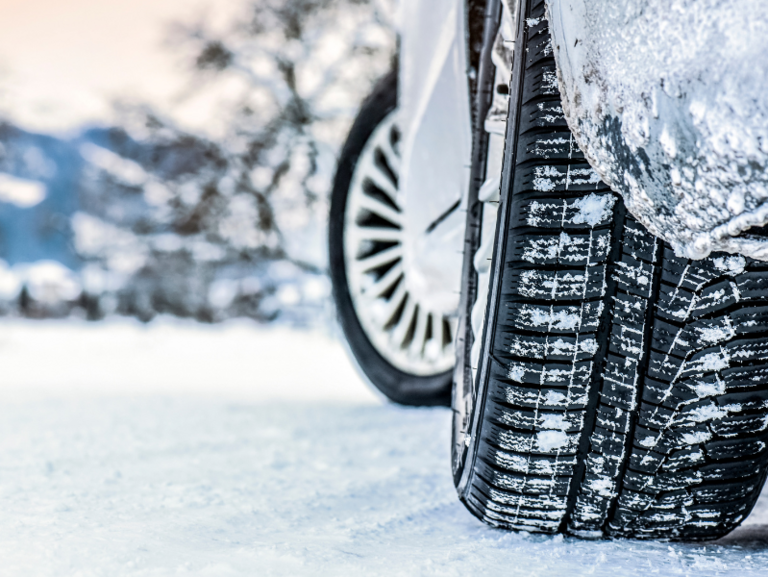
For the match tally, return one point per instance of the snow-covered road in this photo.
(177, 449)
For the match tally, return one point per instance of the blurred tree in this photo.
(231, 220)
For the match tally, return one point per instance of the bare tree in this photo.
(221, 209)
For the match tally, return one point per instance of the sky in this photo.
(63, 63)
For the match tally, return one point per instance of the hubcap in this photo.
(410, 332)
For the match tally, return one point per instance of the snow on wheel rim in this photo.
(406, 332)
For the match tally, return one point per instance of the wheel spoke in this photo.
(387, 310)
(370, 171)
(379, 259)
(393, 159)
(380, 233)
(404, 323)
(420, 333)
(383, 284)
(381, 209)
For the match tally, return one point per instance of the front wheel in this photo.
(621, 390)
(401, 346)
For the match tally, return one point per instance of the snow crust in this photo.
(667, 99)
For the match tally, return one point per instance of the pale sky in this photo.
(63, 61)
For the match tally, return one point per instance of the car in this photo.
(611, 360)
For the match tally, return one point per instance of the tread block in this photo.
(549, 347)
(548, 115)
(546, 442)
(524, 484)
(520, 524)
(542, 398)
(684, 459)
(644, 461)
(568, 284)
(675, 304)
(572, 213)
(632, 501)
(634, 276)
(715, 494)
(591, 507)
(731, 470)
(637, 481)
(524, 514)
(740, 425)
(655, 417)
(664, 367)
(746, 401)
(717, 297)
(545, 502)
(613, 418)
(560, 319)
(673, 499)
(526, 464)
(548, 374)
(749, 320)
(747, 349)
(537, 420)
(619, 387)
(664, 393)
(541, 80)
(560, 249)
(539, 48)
(675, 481)
(738, 378)
(605, 442)
(752, 285)
(710, 360)
(637, 242)
(708, 332)
(674, 266)
(734, 448)
(626, 340)
(658, 441)
(603, 465)
(629, 311)
(671, 339)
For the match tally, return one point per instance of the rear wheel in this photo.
(403, 348)
(620, 390)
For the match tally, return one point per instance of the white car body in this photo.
(434, 105)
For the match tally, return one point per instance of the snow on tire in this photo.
(622, 391)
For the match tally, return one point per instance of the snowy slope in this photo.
(182, 449)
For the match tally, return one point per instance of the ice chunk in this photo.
(593, 209)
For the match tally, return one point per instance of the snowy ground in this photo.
(179, 449)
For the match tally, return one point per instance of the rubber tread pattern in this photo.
(628, 388)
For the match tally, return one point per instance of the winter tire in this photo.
(621, 390)
(402, 348)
